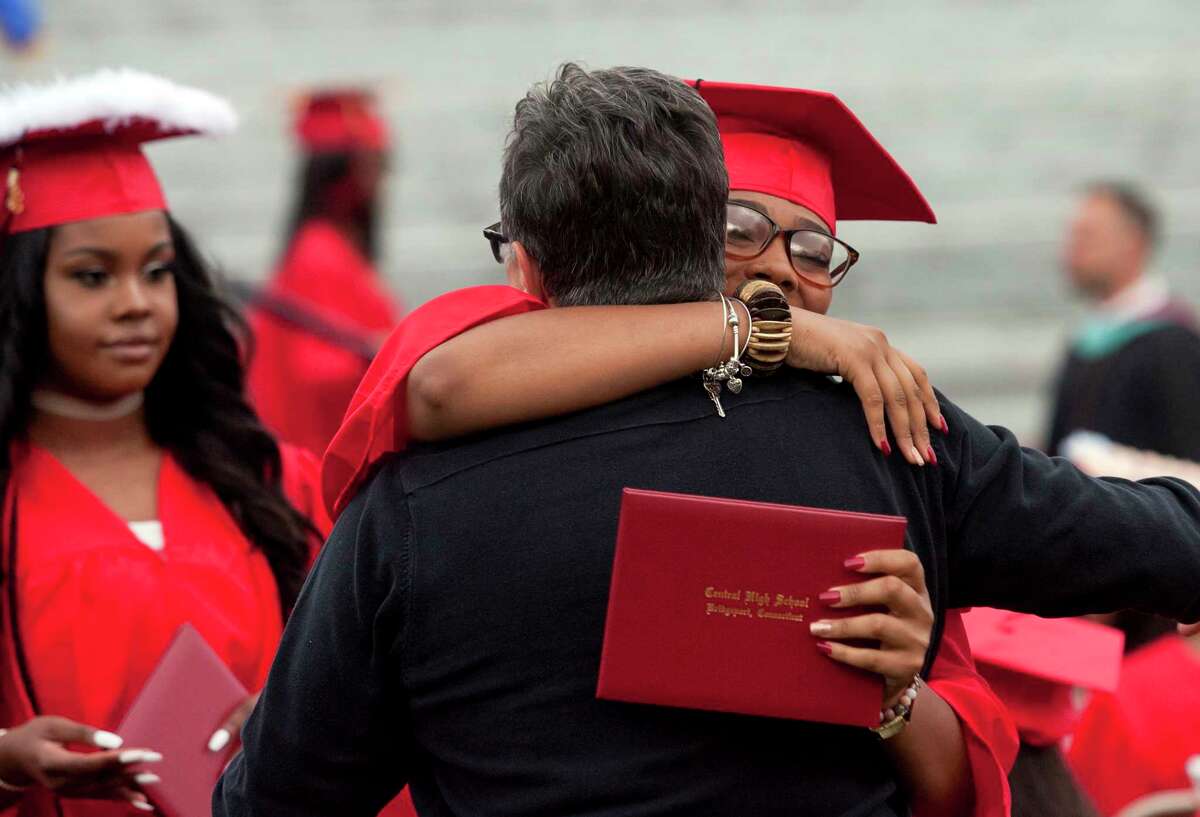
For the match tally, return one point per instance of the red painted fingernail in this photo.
(825, 647)
(929, 455)
(945, 426)
(855, 563)
(885, 447)
(831, 596)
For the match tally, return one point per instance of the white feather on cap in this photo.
(113, 97)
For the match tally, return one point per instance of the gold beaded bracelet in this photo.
(770, 326)
(893, 720)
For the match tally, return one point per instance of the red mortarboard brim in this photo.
(1033, 663)
(809, 148)
(1069, 651)
(71, 150)
(340, 120)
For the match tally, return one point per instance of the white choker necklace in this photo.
(62, 405)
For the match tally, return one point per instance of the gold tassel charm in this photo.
(14, 199)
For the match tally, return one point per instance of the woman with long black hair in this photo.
(304, 371)
(141, 492)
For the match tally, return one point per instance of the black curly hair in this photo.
(195, 405)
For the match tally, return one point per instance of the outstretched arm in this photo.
(1031, 533)
(555, 361)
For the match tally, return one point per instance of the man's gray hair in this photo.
(614, 181)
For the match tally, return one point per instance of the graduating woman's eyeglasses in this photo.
(816, 256)
(499, 241)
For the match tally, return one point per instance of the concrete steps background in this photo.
(999, 109)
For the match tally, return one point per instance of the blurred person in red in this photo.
(1137, 740)
(326, 308)
(1132, 372)
(463, 387)
(1040, 668)
(140, 490)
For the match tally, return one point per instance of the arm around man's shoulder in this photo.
(329, 734)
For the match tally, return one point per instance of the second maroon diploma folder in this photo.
(188, 696)
(711, 601)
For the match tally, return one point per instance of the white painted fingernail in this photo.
(917, 456)
(106, 740)
(820, 628)
(219, 740)
(141, 804)
(132, 756)
(146, 779)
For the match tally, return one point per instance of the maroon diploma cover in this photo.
(711, 601)
(188, 696)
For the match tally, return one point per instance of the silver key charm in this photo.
(714, 393)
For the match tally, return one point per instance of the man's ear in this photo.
(524, 273)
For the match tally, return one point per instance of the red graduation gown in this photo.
(96, 608)
(376, 424)
(376, 421)
(1136, 741)
(299, 383)
(987, 726)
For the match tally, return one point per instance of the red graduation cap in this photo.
(1034, 664)
(809, 148)
(71, 150)
(330, 120)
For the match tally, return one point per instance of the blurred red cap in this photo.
(330, 120)
(1034, 664)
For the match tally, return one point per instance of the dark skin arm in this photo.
(931, 758)
(930, 754)
(556, 361)
(36, 753)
